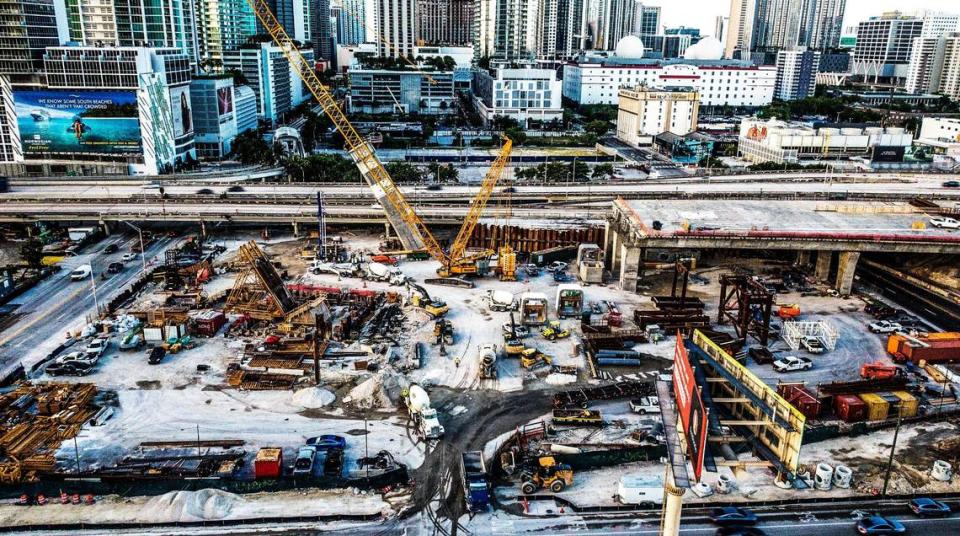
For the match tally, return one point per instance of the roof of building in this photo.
(605, 60)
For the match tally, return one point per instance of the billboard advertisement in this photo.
(224, 100)
(693, 415)
(883, 153)
(78, 121)
(182, 116)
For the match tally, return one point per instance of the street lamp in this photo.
(93, 285)
(143, 250)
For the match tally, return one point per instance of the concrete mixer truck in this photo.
(487, 354)
(424, 417)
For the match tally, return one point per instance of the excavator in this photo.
(410, 228)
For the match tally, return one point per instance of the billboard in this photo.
(884, 153)
(78, 121)
(693, 415)
(182, 115)
(224, 100)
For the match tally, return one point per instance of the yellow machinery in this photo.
(513, 347)
(531, 356)
(412, 232)
(546, 474)
(554, 331)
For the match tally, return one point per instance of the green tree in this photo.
(598, 127)
(446, 173)
(403, 172)
(601, 170)
(31, 252)
(518, 136)
(313, 128)
(249, 148)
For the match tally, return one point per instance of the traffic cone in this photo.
(89, 499)
(41, 499)
(75, 499)
(63, 498)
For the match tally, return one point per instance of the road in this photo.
(46, 311)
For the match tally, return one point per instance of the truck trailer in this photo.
(931, 348)
(476, 482)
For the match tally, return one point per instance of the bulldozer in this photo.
(546, 474)
(531, 356)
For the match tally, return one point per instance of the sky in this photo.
(703, 13)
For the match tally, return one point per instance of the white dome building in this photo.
(629, 47)
(709, 48)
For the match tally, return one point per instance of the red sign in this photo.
(693, 416)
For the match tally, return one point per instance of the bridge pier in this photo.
(846, 268)
(629, 267)
(615, 244)
(608, 249)
(803, 257)
(296, 229)
(823, 265)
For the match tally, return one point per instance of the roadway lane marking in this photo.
(42, 316)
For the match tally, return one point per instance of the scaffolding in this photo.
(747, 305)
(794, 332)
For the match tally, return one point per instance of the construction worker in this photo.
(456, 361)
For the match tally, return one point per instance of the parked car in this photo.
(732, 515)
(945, 223)
(327, 442)
(557, 266)
(927, 507)
(791, 363)
(155, 355)
(885, 326)
(115, 267)
(812, 344)
(644, 405)
(951, 184)
(739, 530)
(111, 248)
(127, 257)
(880, 525)
(97, 347)
(532, 270)
(304, 463)
(434, 187)
(81, 272)
(68, 369)
(762, 355)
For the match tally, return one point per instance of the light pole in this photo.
(893, 448)
(143, 250)
(93, 285)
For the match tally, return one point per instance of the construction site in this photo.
(493, 374)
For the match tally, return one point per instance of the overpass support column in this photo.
(846, 268)
(823, 265)
(105, 226)
(608, 249)
(803, 257)
(296, 230)
(629, 267)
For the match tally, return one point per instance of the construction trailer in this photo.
(590, 263)
(793, 333)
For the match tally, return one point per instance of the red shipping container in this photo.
(268, 463)
(209, 322)
(935, 351)
(850, 408)
(800, 398)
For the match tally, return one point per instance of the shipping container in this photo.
(877, 407)
(268, 463)
(800, 398)
(909, 405)
(932, 348)
(209, 322)
(849, 408)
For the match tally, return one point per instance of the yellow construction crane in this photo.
(412, 232)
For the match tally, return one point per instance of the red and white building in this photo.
(597, 80)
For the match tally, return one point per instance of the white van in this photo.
(81, 272)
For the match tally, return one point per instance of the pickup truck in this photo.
(812, 344)
(885, 326)
(945, 223)
(645, 404)
(791, 363)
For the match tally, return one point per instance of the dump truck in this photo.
(487, 354)
(423, 416)
(579, 417)
(501, 300)
(545, 473)
(476, 482)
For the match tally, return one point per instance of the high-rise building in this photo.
(484, 28)
(515, 29)
(394, 27)
(350, 22)
(776, 25)
(936, 24)
(739, 41)
(822, 24)
(294, 16)
(222, 25)
(720, 28)
(321, 31)
(444, 22)
(28, 27)
(644, 112)
(796, 74)
(647, 20)
(935, 66)
(616, 19)
(884, 45)
(274, 81)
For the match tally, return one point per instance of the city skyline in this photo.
(702, 14)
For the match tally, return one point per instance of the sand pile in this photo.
(312, 397)
(191, 505)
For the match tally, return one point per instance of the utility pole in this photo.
(366, 445)
(93, 285)
(199, 454)
(76, 453)
(316, 349)
(893, 448)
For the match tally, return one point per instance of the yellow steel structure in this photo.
(411, 230)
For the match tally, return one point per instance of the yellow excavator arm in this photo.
(409, 227)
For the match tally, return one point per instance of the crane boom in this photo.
(459, 247)
(411, 230)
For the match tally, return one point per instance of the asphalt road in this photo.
(46, 311)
